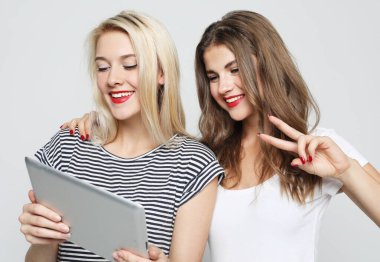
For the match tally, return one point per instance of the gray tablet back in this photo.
(99, 220)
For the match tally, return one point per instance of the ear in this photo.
(161, 78)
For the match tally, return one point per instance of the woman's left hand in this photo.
(155, 254)
(318, 155)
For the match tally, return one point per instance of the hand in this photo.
(84, 125)
(155, 254)
(318, 155)
(41, 225)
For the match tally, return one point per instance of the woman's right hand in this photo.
(41, 225)
(83, 123)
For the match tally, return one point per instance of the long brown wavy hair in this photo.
(284, 94)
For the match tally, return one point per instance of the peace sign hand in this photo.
(318, 155)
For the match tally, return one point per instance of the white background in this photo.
(44, 81)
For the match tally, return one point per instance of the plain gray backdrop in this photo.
(44, 79)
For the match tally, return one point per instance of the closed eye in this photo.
(129, 67)
(103, 68)
(212, 78)
(235, 70)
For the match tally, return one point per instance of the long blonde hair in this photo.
(284, 95)
(161, 107)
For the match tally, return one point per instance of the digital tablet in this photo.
(99, 221)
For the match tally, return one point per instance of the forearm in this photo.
(38, 253)
(363, 189)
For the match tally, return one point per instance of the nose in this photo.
(225, 85)
(115, 76)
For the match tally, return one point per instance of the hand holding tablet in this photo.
(99, 221)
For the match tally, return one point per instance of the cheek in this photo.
(214, 91)
(101, 82)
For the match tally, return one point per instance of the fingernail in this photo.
(293, 165)
(71, 132)
(87, 137)
(61, 126)
(303, 160)
(82, 137)
(310, 159)
(258, 134)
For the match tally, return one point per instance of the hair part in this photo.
(161, 107)
(284, 94)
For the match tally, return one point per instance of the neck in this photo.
(250, 150)
(250, 140)
(132, 139)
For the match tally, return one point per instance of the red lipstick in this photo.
(119, 97)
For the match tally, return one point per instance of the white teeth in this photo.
(233, 99)
(118, 95)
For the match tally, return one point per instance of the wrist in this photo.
(349, 171)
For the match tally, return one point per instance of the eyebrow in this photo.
(226, 66)
(122, 57)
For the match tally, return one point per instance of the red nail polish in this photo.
(61, 126)
(87, 137)
(293, 165)
(82, 137)
(303, 160)
(71, 132)
(310, 159)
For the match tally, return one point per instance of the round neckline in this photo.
(248, 189)
(136, 157)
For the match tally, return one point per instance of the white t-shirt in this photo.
(260, 224)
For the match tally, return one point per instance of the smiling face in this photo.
(117, 74)
(225, 82)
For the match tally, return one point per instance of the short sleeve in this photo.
(346, 147)
(49, 154)
(201, 180)
(331, 186)
(58, 151)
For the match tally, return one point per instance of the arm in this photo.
(190, 232)
(41, 252)
(361, 184)
(192, 225)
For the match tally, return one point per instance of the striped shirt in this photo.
(161, 180)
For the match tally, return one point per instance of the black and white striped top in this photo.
(161, 180)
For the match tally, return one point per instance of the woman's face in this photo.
(225, 83)
(117, 74)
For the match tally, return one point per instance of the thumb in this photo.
(155, 253)
(32, 196)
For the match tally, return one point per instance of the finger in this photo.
(40, 232)
(64, 125)
(301, 144)
(40, 210)
(82, 130)
(124, 255)
(41, 221)
(42, 241)
(82, 124)
(32, 196)
(155, 253)
(88, 124)
(279, 143)
(72, 125)
(285, 128)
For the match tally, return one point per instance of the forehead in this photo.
(217, 56)
(114, 43)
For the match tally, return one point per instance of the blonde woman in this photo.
(139, 148)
